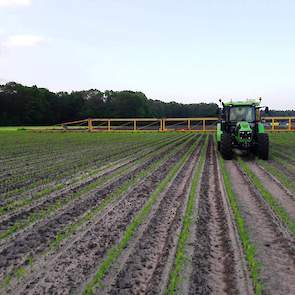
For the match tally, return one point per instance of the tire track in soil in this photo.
(146, 269)
(22, 213)
(38, 238)
(278, 192)
(218, 265)
(68, 270)
(275, 249)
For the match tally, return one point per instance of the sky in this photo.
(188, 51)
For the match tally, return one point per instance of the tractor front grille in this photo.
(246, 135)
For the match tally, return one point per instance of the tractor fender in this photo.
(261, 128)
(219, 132)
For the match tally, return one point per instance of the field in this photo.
(144, 213)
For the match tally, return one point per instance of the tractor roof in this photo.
(248, 102)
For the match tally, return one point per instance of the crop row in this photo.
(146, 213)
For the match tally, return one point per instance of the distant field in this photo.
(157, 213)
(20, 128)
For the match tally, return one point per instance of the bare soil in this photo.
(283, 169)
(35, 207)
(218, 266)
(37, 239)
(215, 260)
(144, 271)
(274, 247)
(67, 270)
(287, 200)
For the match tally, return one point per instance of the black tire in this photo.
(262, 146)
(226, 147)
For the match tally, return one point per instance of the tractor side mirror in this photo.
(220, 100)
(266, 110)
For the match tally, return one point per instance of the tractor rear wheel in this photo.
(262, 146)
(226, 147)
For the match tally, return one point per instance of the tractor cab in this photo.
(240, 127)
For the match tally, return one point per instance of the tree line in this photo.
(23, 105)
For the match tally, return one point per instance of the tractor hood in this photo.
(244, 126)
(243, 133)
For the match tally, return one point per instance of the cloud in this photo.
(13, 3)
(23, 41)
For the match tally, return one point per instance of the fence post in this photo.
(90, 126)
(189, 124)
(163, 125)
(272, 124)
(204, 125)
(134, 125)
(109, 125)
(290, 124)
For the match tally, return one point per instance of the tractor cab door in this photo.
(226, 114)
(227, 125)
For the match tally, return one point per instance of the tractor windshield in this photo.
(242, 113)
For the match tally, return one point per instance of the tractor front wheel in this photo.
(218, 146)
(226, 147)
(262, 146)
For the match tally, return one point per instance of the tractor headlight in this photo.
(246, 134)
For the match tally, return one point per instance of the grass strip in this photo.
(283, 178)
(115, 251)
(273, 203)
(180, 257)
(249, 249)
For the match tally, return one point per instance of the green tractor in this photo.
(240, 127)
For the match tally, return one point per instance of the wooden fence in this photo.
(169, 124)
